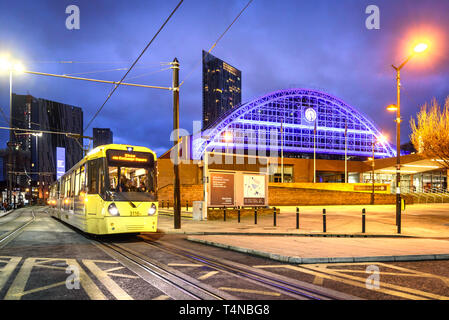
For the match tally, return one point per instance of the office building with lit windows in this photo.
(33, 113)
(102, 136)
(222, 88)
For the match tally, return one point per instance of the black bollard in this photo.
(274, 216)
(162, 205)
(238, 215)
(363, 220)
(255, 215)
(297, 218)
(224, 213)
(187, 205)
(324, 220)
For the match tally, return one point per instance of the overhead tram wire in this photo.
(148, 74)
(106, 70)
(69, 134)
(87, 62)
(216, 42)
(135, 62)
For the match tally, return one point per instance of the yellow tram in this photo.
(113, 189)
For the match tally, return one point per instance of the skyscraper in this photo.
(102, 136)
(33, 113)
(222, 88)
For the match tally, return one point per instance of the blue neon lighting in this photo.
(251, 124)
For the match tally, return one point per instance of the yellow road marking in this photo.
(122, 275)
(318, 280)
(57, 284)
(418, 273)
(16, 290)
(360, 282)
(5, 271)
(382, 284)
(50, 267)
(162, 297)
(110, 284)
(266, 293)
(184, 265)
(208, 275)
(114, 269)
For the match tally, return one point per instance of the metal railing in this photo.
(426, 195)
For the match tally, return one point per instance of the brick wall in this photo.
(193, 192)
(283, 196)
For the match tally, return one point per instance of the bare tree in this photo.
(430, 132)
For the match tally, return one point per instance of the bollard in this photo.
(324, 220)
(168, 204)
(187, 205)
(297, 218)
(224, 213)
(255, 215)
(162, 205)
(274, 216)
(363, 220)
(238, 215)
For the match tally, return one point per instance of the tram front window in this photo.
(133, 184)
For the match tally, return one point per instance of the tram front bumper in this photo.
(130, 224)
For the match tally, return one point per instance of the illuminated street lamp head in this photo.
(7, 65)
(421, 47)
(392, 107)
(18, 67)
(4, 64)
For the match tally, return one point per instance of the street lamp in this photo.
(418, 49)
(8, 66)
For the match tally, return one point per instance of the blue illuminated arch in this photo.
(247, 121)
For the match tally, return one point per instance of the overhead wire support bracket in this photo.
(116, 83)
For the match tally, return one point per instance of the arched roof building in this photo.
(294, 112)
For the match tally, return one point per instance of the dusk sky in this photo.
(319, 44)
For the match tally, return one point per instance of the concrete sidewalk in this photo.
(425, 231)
(5, 213)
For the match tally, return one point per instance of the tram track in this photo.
(290, 287)
(10, 235)
(174, 283)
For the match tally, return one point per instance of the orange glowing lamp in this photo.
(421, 47)
(392, 108)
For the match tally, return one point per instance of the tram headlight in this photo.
(113, 211)
(152, 209)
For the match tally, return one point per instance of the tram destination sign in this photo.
(122, 157)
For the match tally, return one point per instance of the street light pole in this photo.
(11, 135)
(282, 151)
(418, 49)
(176, 186)
(372, 173)
(398, 148)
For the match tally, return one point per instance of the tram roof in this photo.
(100, 151)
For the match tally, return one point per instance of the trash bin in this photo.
(198, 210)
